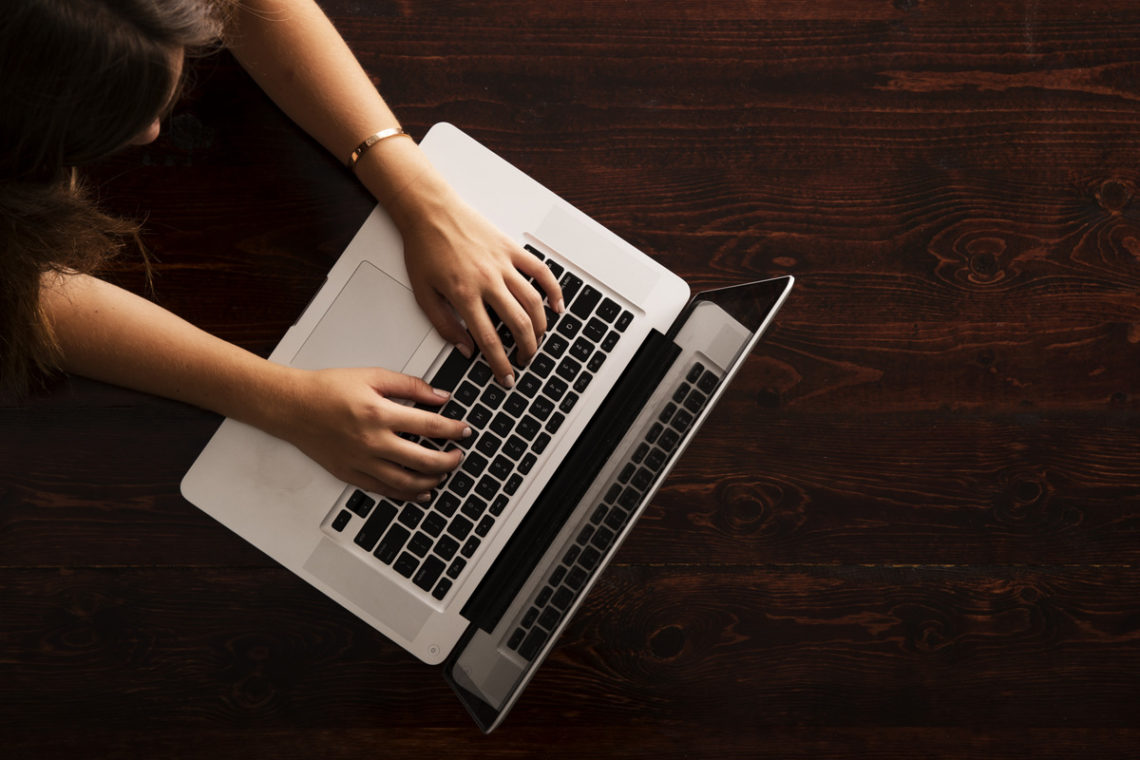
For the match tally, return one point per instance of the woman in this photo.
(80, 79)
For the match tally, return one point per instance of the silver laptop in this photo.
(486, 576)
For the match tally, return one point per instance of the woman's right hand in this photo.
(348, 422)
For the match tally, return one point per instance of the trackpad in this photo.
(374, 322)
(379, 598)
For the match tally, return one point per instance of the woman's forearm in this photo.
(112, 335)
(300, 60)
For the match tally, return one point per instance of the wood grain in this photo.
(911, 529)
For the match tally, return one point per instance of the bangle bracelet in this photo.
(371, 140)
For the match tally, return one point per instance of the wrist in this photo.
(404, 181)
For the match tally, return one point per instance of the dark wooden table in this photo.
(911, 530)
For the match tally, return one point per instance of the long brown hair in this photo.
(78, 80)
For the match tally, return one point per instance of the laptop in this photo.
(484, 577)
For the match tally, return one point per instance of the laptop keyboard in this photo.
(432, 544)
(597, 535)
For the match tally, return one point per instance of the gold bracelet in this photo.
(371, 140)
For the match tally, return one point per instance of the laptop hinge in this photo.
(571, 481)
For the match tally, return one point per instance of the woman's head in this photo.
(80, 79)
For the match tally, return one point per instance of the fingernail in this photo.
(441, 393)
(559, 306)
(509, 381)
(423, 497)
(463, 350)
(466, 432)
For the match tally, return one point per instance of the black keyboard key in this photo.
(513, 483)
(639, 454)
(557, 576)
(502, 424)
(549, 618)
(626, 473)
(499, 504)
(453, 411)
(682, 420)
(514, 448)
(516, 404)
(446, 504)
(460, 527)
(615, 519)
(554, 388)
(680, 393)
(554, 267)
(539, 445)
(576, 578)
(420, 544)
(456, 567)
(542, 407)
(599, 515)
(406, 565)
(583, 305)
(623, 321)
(708, 382)
(585, 535)
(487, 487)
(527, 463)
(568, 326)
(484, 526)
(590, 558)
(610, 341)
(360, 503)
(466, 393)
(595, 329)
(613, 493)
(529, 426)
(446, 547)
(480, 373)
(541, 366)
(529, 618)
(502, 467)
(534, 251)
(375, 526)
(642, 478)
(583, 381)
(608, 310)
(429, 573)
(562, 598)
(433, 524)
(667, 413)
(451, 372)
(391, 544)
(533, 643)
(654, 432)
(669, 439)
(488, 444)
(695, 401)
(568, 402)
(581, 349)
(341, 520)
(555, 422)
(695, 372)
(474, 463)
(492, 396)
(473, 507)
(479, 415)
(567, 369)
(505, 336)
(555, 346)
(655, 459)
(570, 284)
(528, 385)
(470, 547)
(543, 596)
(629, 498)
(571, 555)
(442, 588)
(596, 361)
(460, 483)
(602, 539)
(516, 639)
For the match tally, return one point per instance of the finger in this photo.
(428, 424)
(547, 281)
(423, 460)
(531, 302)
(481, 329)
(398, 385)
(399, 482)
(443, 318)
